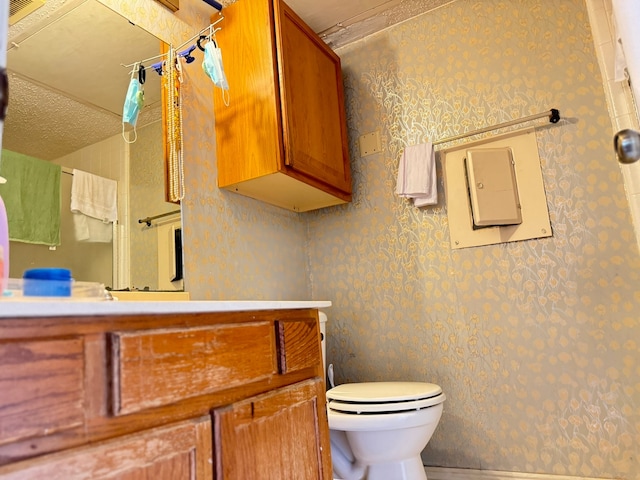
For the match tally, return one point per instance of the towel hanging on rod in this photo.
(553, 114)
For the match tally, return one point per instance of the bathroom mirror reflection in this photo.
(67, 90)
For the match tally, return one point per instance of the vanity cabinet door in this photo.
(177, 452)
(276, 435)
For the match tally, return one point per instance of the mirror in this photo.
(67, 89)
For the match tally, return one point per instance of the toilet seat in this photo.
(383, 397)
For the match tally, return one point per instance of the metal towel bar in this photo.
(148, 220)
(553, 114)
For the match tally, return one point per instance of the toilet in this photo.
(378, 429)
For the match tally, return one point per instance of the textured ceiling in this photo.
(81, 52)
(66, 79)
(67, 85)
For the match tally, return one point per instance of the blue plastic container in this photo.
(47, 282)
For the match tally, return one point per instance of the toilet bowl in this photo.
(378, 429)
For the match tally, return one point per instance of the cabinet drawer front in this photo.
(42, 387)
(298, 345)
(154, 368)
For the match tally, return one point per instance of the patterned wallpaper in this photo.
(535, 343)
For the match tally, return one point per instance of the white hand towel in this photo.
(94, 205)
(89, 229)
(417, 175)
(94, 196)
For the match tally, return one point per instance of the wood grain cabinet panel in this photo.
(160, 367)
(176, 452)
(41, 385)
(273, 436)
(312, 103)
(282, 138)
(298, 344)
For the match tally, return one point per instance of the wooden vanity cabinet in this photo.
(220, 396)
(282, 138)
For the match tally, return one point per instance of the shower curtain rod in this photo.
(149, 219)
(553, 114)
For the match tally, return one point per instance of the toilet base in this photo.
(410, 469)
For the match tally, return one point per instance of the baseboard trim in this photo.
(442, 473)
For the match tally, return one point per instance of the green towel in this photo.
(32, 198)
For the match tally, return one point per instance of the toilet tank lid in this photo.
(373, 392)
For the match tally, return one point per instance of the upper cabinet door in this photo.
(312, 102)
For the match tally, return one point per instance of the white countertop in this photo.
(13, 309)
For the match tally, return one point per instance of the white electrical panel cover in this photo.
(493, 189)
(530, 191)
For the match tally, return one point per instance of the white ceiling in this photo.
(65, 92)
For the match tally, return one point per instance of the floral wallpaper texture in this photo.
(535, 343)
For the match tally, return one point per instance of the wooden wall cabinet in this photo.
(282, 138)
(173, 5)
(220, 396)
